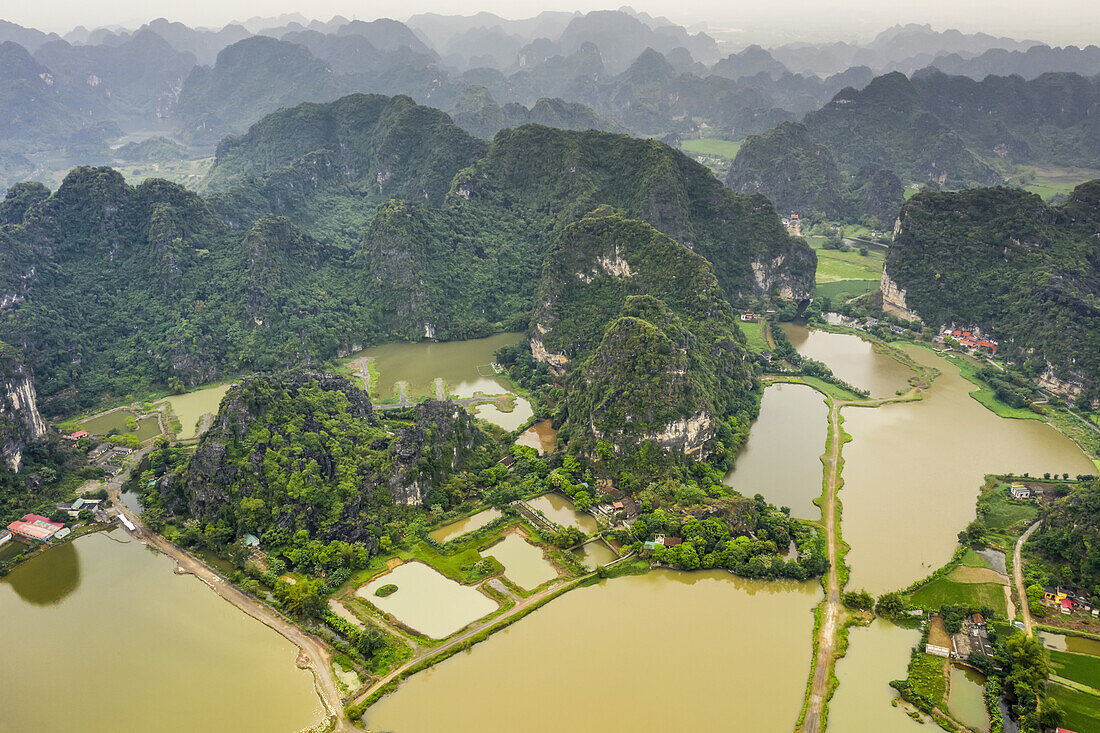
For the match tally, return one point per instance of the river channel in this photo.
(100, 636)
(663, 651)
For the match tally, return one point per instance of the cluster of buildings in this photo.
(103, 455)
(970, 339)
(1022, 492)
(36, 528)
(1069, 601)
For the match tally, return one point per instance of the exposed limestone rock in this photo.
(893, 298)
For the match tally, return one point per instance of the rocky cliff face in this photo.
(893, 298)
(20, 422)
(439, 443)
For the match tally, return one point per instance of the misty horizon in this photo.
(1060, 22)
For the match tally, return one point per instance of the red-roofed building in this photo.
(616, 505)
(991, 345)
(79, 434)
(1067, 605)
(35, 527)
(672, 541)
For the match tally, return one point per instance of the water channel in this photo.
(782, 457)
(105, 626)
(672, 651)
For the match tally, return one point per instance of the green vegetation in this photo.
(927, 678)
(711, 146)
(999, 392)
(1004, 517)
(837, 262)
(1081, 709)
(754, 337)
(314, 240)
(845, 289)
(799, 174)
(972, 559)
(946, 591)
(1077, 667)
(988, 256)
(1068, 540)
(386, 590)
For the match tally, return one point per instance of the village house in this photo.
(5, 536)
(1019, 491)
(749, 318)
(77, 435)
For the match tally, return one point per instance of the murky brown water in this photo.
(966, 699)
(595, 554)
(669, 651)
(1075, 644)
(101, 636)
(523, 562)
(877, 655)
(782, 457)
(852, 359)
(541, 436)
(147, 427)
(456, 529)
(521, 413)
(913, 470)
(462, 365)
(191, 407)
(559, 510)
(427, 601)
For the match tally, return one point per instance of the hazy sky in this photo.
(1055, 21)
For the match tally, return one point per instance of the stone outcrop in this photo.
(893, 298)
(20, 422)
(438, 443)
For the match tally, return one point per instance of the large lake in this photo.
(100, 636)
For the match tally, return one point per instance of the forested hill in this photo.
(801, 176)
(305, 451)
(1001, 259)
(111, 289)
(953, 131)
(650, 343)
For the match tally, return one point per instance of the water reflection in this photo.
(48, 578)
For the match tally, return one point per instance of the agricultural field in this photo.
(842, 290)
(1082, 709)
(834, 265)
(926, 677)
(710, 146)
(1077, 667)
(754, 333)
(959, 591)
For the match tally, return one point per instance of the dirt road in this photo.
(313, 654)
(814, 719)
(1018, 576)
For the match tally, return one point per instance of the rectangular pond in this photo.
(747, 645)
(782, 457)
(559, 510)
(147, 427)
(523, 562)
(595, 554)
(448, 532)
(427, 601)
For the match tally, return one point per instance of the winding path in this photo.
(1018, 576)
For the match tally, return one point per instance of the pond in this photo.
(782, 457)
(464, 367)
(559, 510)
(913, 470)
(541, 436)
(523, 562)
(106, 624)
(521, 412)
(851, 359)
(675, 651)
(427, 601)
(966, 700)
(876, 656)
(1074, 644)
(456, 529)
(595, 554)
(191, 407)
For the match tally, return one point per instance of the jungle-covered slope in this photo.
(1003, 260)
